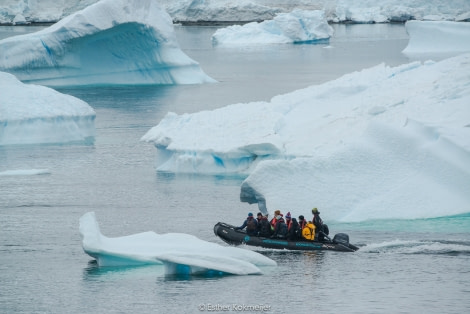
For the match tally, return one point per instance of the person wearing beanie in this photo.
(302, 222)
(251, 225)
(321, 229)
(288, 220)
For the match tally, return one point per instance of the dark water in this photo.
(402, 267)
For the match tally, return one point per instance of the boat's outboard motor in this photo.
(341, 238)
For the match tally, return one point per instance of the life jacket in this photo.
(273, 223)
(309, 231)
(302, 224)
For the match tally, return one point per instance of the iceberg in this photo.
(299, 26)
(433, 37)
(179, 253)
(112, 42)
(32, 114)
(389, 142)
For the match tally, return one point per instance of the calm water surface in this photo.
(403, 266)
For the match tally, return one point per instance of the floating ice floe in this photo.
(179, 253)
(112, 42)
(299, 26)
(437, 37)
(33, 114)
(24, 172)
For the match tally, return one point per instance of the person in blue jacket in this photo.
(251, 225)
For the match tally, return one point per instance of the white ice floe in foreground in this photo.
(299, 26)
(32, 114)
(433, 37)
(112, 42)
(358, 11)
(180, 253)
(386, 142)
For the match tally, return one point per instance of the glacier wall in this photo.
(194, 11)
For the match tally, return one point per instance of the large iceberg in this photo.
(390, 142)
(179, 253)
(197, 11)
(432, 37)
(112, 42)
(299, 26)
(32, 114)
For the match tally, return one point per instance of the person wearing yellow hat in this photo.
(320, 229)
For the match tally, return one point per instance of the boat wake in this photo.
(436, 247)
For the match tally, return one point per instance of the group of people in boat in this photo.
(286, 227)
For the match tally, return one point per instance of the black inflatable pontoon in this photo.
(228, 233)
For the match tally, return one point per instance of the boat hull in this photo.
(236, 237)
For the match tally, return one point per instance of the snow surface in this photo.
(437, 37)
(299, 26)
(32, 114)
(180, 253)
(113, 42)
(381, 143)
(358, 11)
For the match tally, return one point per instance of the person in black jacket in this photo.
(293, 231)
(264, 227)
(321, 229)
(280, 231)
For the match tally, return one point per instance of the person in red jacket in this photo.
(288, 220)
(274, 220)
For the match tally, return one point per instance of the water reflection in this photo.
(93, 272)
